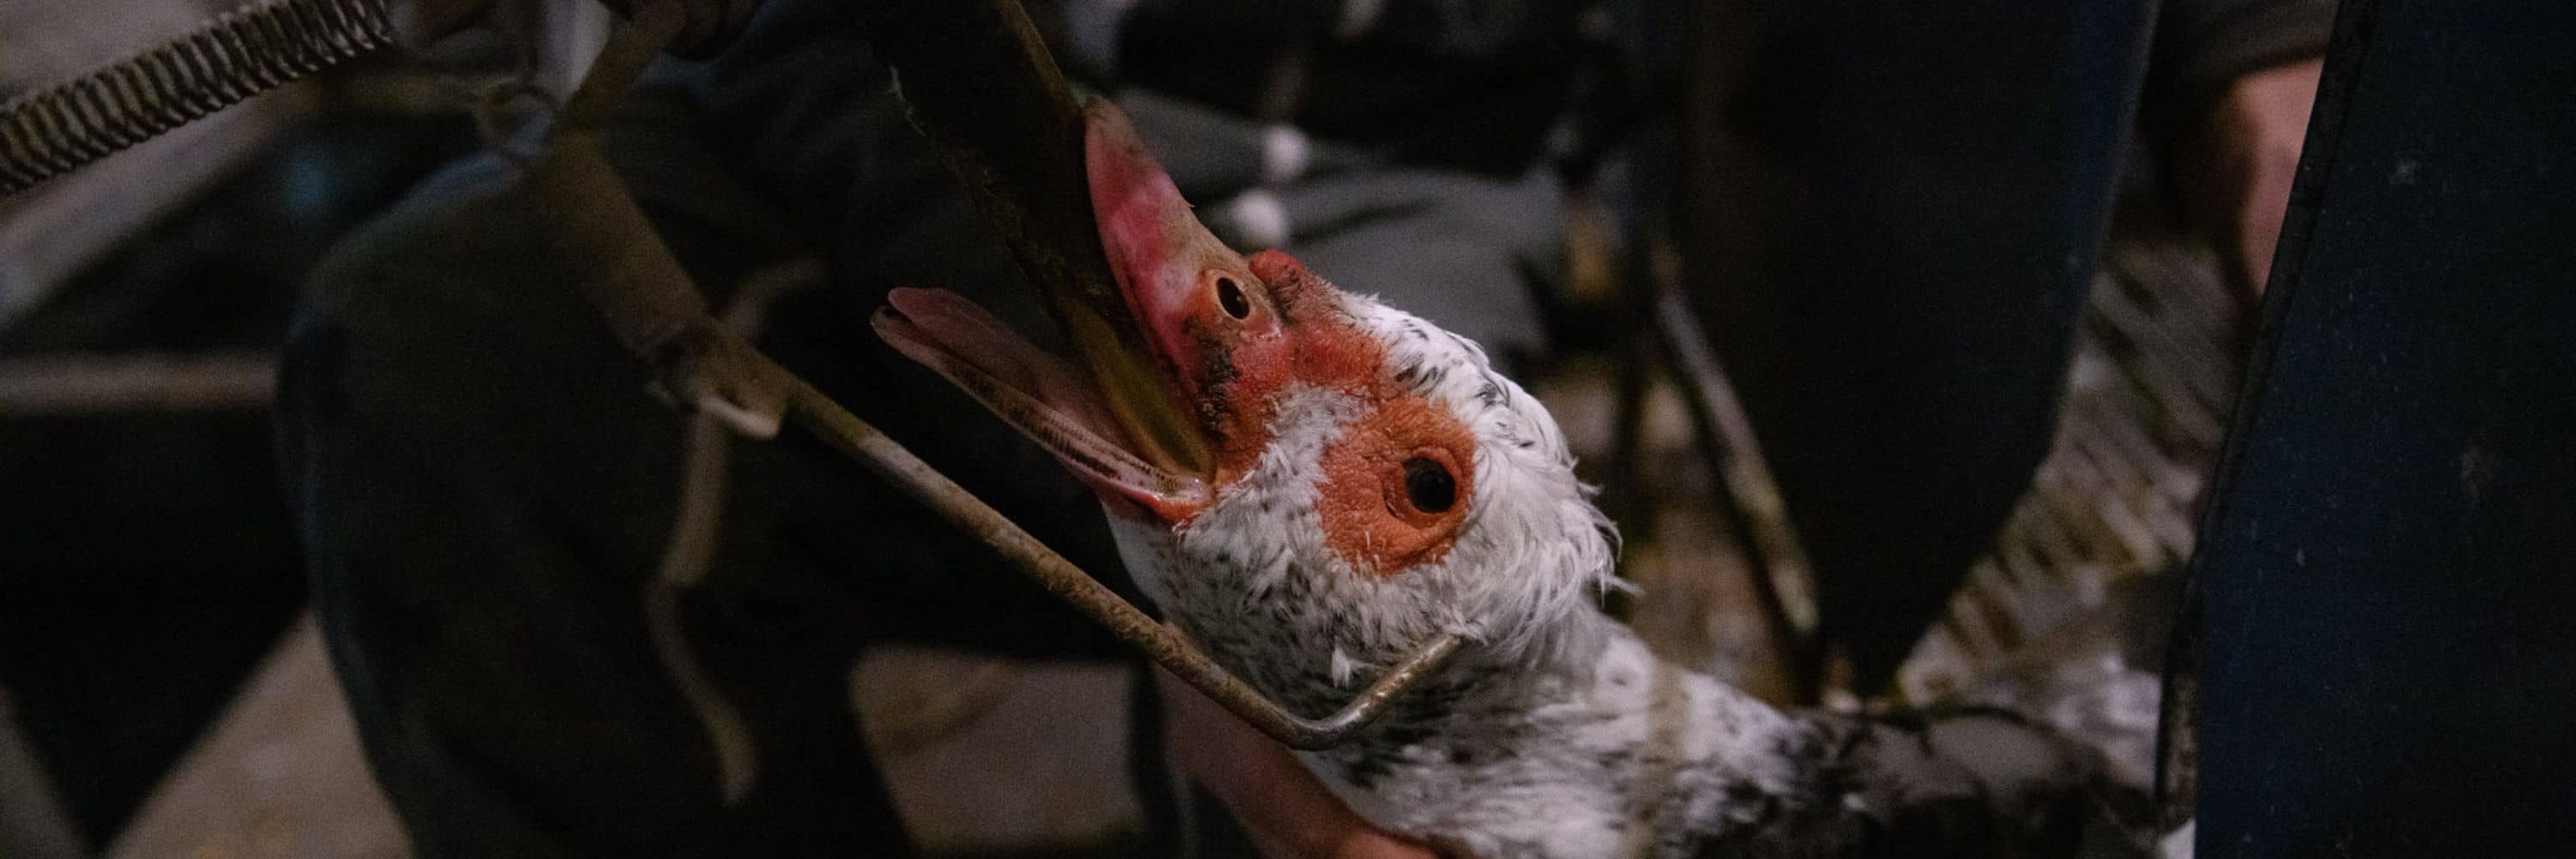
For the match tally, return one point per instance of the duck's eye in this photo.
(1429, 485)
(1230, 298)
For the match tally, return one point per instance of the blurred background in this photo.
(165, 692)
(150, 577)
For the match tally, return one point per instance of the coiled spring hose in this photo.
(240, 54)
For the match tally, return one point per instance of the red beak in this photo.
(1167, 266)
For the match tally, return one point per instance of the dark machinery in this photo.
(2390, 558)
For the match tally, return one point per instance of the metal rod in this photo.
(95, 385)
(1783, 580)
(640, 290)
(850, 435)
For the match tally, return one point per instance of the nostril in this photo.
(1230, 298)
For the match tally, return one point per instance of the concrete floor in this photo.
(277, 776)
(280, 774)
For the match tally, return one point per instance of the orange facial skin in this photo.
(1368, 519)
(1297, 334)
(1234, 335)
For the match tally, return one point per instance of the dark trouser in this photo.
(1894, 210)
(486, 488)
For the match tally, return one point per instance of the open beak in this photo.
(1120, 420)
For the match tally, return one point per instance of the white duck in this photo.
(1373, 483)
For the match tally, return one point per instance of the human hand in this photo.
(2241, 163)
(1283, 808)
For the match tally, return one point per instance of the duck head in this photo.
(1363, 480)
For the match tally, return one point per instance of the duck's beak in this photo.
(1122, 419)
(1166, 262)
(1125, 340)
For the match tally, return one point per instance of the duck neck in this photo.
(1595, 748)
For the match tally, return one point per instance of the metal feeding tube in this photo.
(657, 313)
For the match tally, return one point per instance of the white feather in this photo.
(1549, 692)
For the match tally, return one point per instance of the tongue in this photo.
(1039, 394)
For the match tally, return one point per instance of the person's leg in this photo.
(1892, 213)
(486, 487)
(482, 485)
(805, 123)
